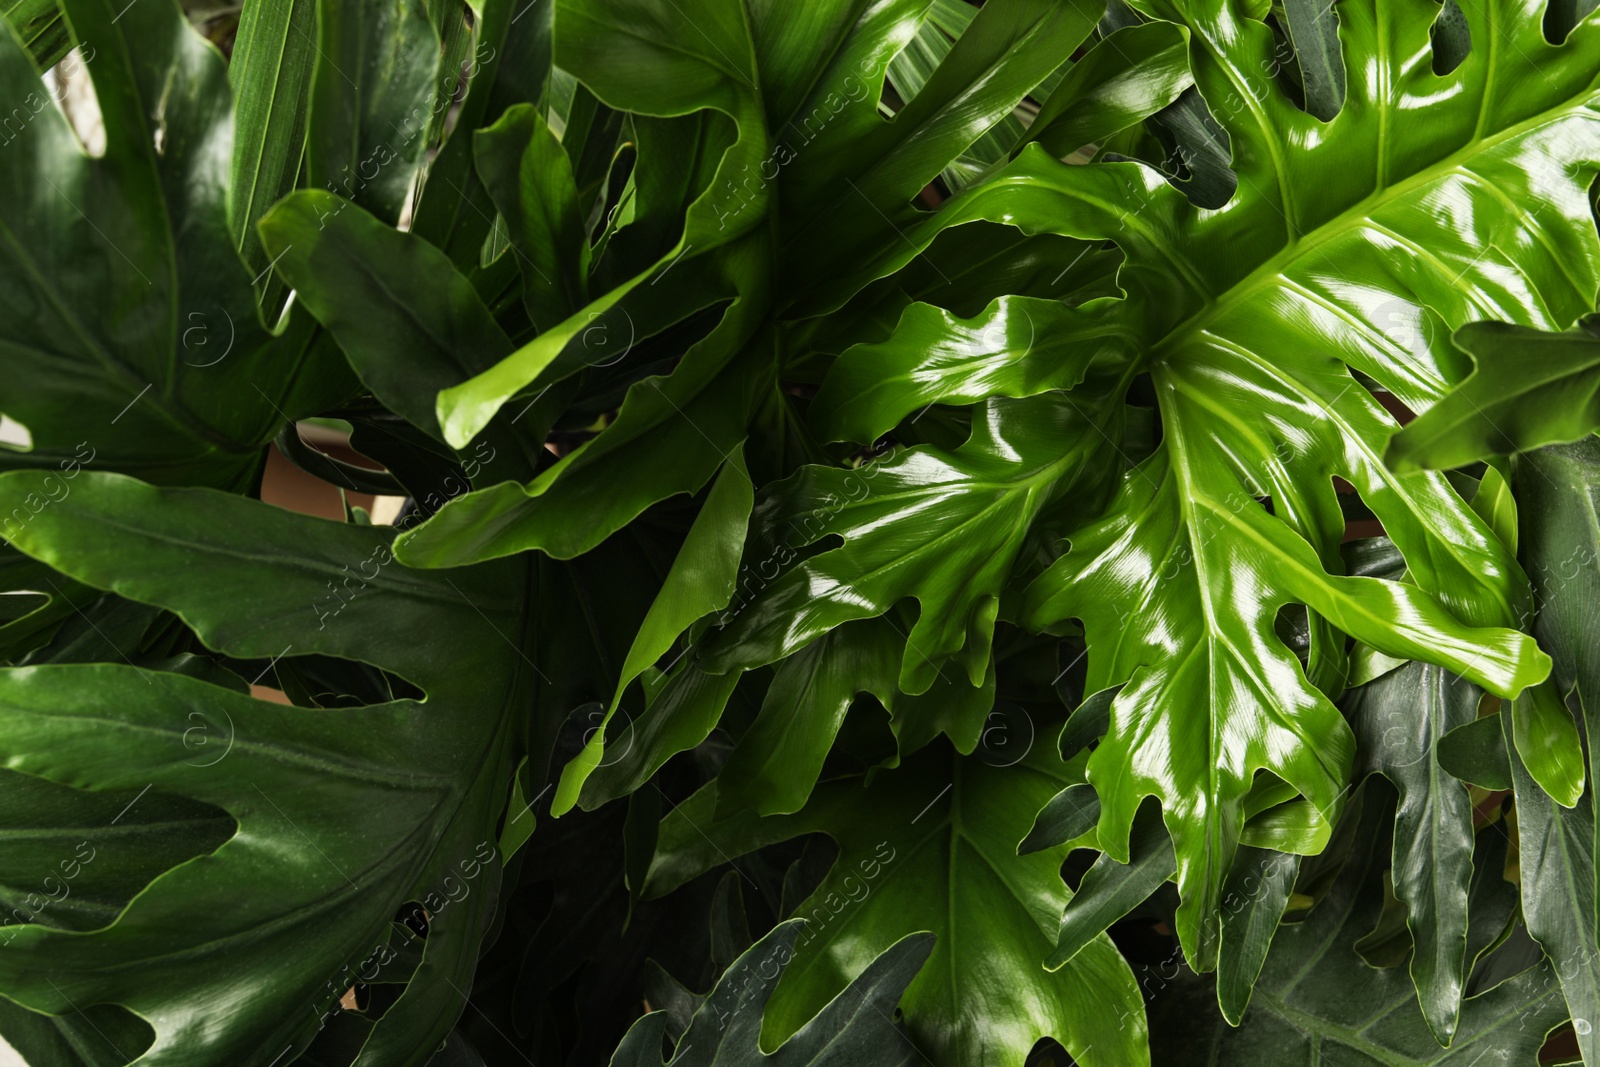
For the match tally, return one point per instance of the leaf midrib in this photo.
(295, 756)
(194, 428)
(1326, 1029)
(1210, 885)
(1348, 432)
(1352, 218)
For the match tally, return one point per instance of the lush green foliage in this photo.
(882, 474)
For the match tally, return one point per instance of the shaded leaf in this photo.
(1318, 1001)
(854, 1028)
(918, 855)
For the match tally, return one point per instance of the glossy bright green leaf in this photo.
(1529, 388)
(777, 762)
(672, 434)
(944, 528)
(656, 61)
(701, 581)
(779, 759)
(909, 71)
(1005, 52)
(920, 849)
(1254, 318)
(1231, 670)
(1128, 76)
(1497, 506)
(1547, 740)
(1018, 346)
(710, 236)
(680, 712)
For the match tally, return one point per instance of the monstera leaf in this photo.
(932, 845)
(133, 341)
(763, 119)
(1399, 720)
(1528, 388)
(983, 498)
(342, 815)
(1252, 322)
(1318, 1001)
(774, 398)
(856, 1027)
(1556, 489)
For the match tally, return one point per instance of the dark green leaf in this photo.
(529, 177)
(1069, 815)
(408, 321)
(1556, 862)
(701, 581)
(1318, 1002)
(298, 921)
(1476, 753)
(920, 849)
(1111, 890)
(1400, 720)
(855, 1028)
(1314, 30)
(373, 99)
(1253, 901)
(274, 53)
(132, 337)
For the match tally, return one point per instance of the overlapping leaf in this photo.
(800, 95)
(932, 846)
(1251, 320)
(857, 1027)
(944, 528)
(1399, 719)
(342, 816)
(1318, 1001)
(1560, 538)
(1528, 388)
(722, 185)
(132, 332)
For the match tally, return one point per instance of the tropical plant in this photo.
(907, 553)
